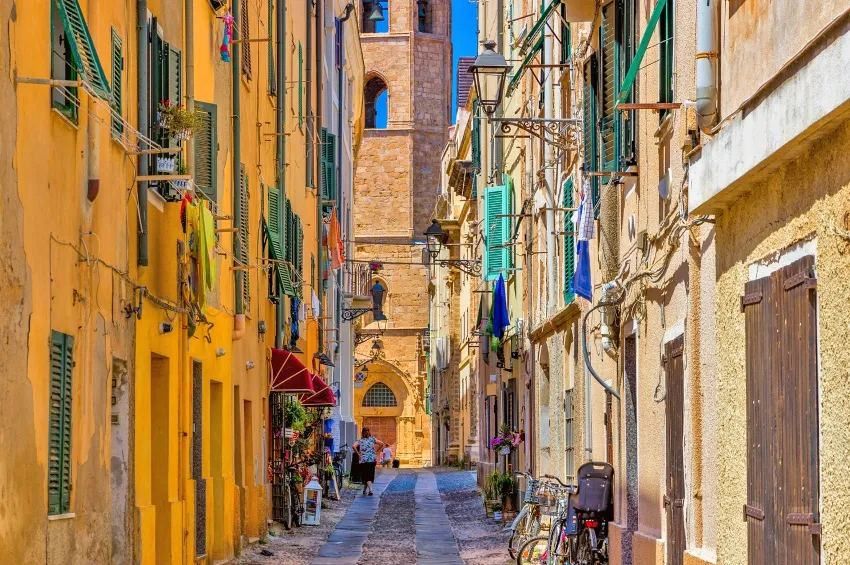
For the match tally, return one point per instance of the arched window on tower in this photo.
(379, 396)
(375, 16)
(376, 96)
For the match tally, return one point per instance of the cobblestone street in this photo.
(416, 516)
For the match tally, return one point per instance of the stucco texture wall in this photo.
(804, 200)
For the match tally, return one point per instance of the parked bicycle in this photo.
(339, 463)
(539, 495)
(579, 535)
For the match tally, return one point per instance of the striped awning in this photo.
(288, 373)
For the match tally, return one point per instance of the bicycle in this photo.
(579, 536)
(339, 463)
(528, 522)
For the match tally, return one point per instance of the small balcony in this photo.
(359, 282)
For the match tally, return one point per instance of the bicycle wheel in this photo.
(527, 528)
(585, 554)
(287, 506)
(533, 552)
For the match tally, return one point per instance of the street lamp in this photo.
(489, 72)
(377, 13)
(435, 237)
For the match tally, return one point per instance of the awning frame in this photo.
(634, 67)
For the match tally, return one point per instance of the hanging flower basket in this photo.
(505, 441)
(178, 122)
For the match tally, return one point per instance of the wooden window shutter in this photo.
(328, 166)
(300, 256)
(60, 425)
(495, 232)
(287, 228)
(244, 235)
(117, 84)
(173, 74)
(245, 33)
(272, 69)
(569, 243)
(476, 134)
(626, 119)
(300, 86)
(206, 150)
(589, 125)
(276, 234)
(609, 50)
(83, 52)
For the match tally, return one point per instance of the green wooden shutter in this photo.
(328, 166)
(508, 207)
(287, 247)
(569, 243)
(300, 86)
(609, 50)
(173, 74)
(476, 134)
(300, 256)
(245, 33)
(60, 425)
(83, 52)
(245, 248)
(206, 150)
(117, 84)
(275, 234)
(496, 231)
(589, 126)
(566, 37)
(271, 44)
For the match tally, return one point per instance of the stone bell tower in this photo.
(408, 58)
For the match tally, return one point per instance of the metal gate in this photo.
(277, 463)
(783, 466)
(674, 499)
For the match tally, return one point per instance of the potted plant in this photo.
(177, 121)
(497, 512)
(181, 170)
(491, 491)
(506, 486)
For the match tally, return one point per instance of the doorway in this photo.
(674, 499)
(217, 467)
(383, 428)
(160, 430)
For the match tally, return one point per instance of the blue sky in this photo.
(464, 38)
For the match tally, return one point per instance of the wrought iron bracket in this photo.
(468, 266)
(360, 338)
(561, 132)
(349, 314)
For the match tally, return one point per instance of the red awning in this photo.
(323, 396)
(288, 374)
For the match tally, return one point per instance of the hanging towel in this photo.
(206, 248)
(501, 319)
(585, 215)
(581, 280)
(335, 242)
(315, 305)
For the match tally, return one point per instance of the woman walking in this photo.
(367, 449)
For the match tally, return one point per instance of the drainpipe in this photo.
(189, 57)
(142, 106)
(237, 159)
(92, 131)
(548, 105)
(349, 8)
(319, 74)
(280, 309)
(707, 57)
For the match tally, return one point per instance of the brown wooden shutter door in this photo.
(674, 500)
(782, 419)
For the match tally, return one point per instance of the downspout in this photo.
(349, 8)
(142, 107)
(189, 57)
(236, 168)
(707, 57)
(548, 164)
(280, 307)
(319, 74)
(92, 131)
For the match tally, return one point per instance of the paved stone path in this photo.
(434, 542)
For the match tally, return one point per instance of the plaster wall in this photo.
(761, 224)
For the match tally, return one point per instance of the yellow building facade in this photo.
(141, 434)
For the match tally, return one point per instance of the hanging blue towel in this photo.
(501, 319)
(581, 279)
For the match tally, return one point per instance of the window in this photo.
(276, 235)
(589, 125)
(338, 43)
(60, 427)
(328, 168)
(271, 44)
(241, 244)
(73, 57)
(569, 242)
(616, 49)
(206, 150)
(379, 396)
(425, 16)
(300, 85)
(665, 55)
(476, 135)
(245, 33)
(566, 38)
(117, 84)
(376, 96)
(497, 230)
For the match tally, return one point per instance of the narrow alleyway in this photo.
(416, 517)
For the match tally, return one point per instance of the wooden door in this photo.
(382, 428)
(783, 464)
(674, 500)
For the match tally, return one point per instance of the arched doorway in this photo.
(380, 396)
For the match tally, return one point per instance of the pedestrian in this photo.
(367, 448)
(386, 456)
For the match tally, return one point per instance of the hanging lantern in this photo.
(377, 14)
(489, 72)
(312, 503)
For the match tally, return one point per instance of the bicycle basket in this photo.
(594, 487)
(531, 491)
(548, 503)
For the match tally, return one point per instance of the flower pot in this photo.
(288, 433)
(505, 451)
(166, 164)
(497, 515)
